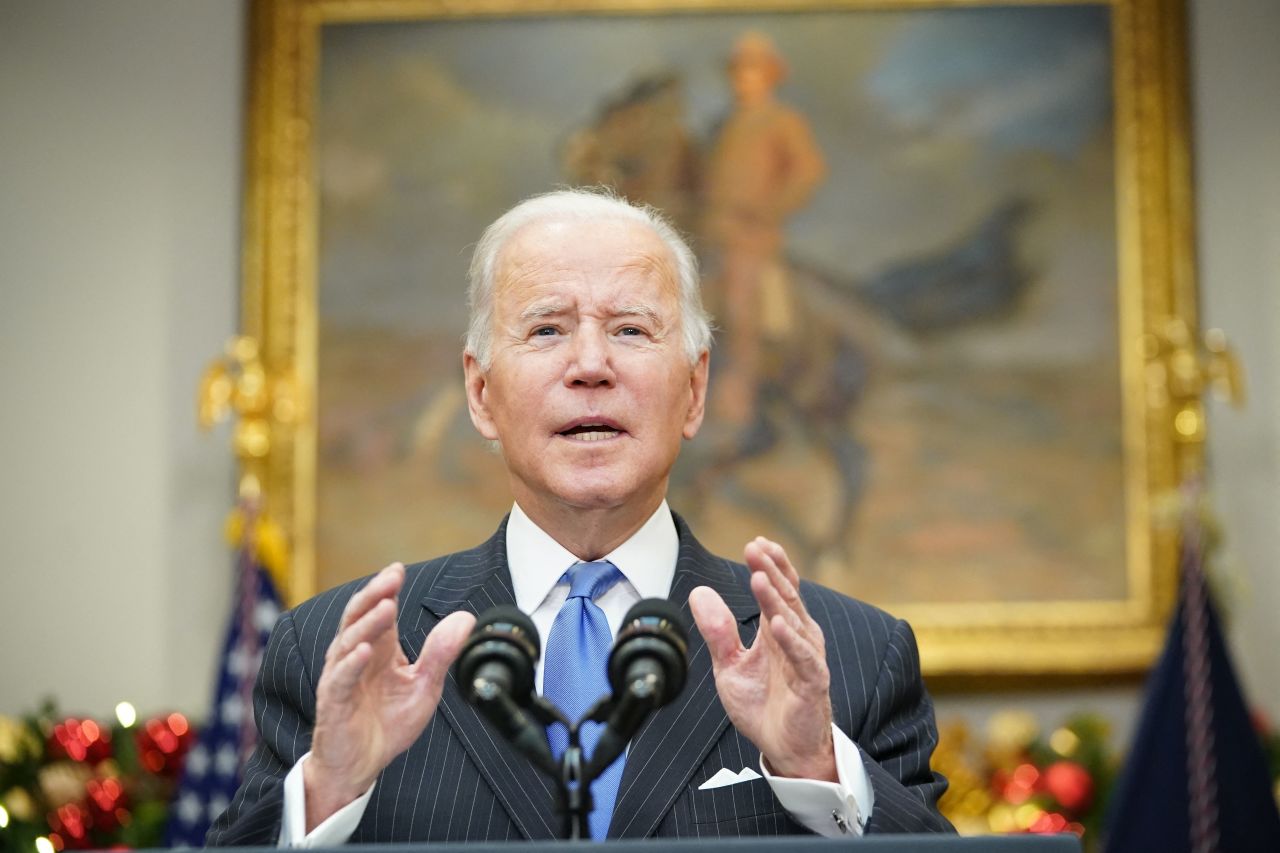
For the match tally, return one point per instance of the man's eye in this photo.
(631, 330)
(544, 331)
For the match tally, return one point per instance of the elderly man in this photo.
(586, 362)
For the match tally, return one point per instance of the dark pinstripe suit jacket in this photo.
(461, 782)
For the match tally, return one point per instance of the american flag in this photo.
(214, 765)
(1196, 778)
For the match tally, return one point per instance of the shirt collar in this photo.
(647, 560)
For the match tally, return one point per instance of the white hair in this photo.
(579, 205)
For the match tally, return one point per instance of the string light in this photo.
(44, 845)
(1064, 742)
(126, 714)
(4, 818)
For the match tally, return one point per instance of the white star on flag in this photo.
(232, 711)
(227, 761)
(217, 805)
(265, 615)
(198, 761)
(189, 808)
(238, 662)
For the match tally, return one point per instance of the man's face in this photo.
(753, 80)
(590, 390)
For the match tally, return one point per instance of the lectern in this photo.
(773, 844)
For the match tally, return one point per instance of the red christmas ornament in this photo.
(70, 825)
(163, 743)
(1069, 784)
(80, 740)
(1049, 822)
(106, 803)
(999, 780)
(1021, 784)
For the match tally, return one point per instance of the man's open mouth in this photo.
(591, 432)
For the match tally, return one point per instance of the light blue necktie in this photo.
(574, 676)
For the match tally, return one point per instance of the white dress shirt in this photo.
(647, 562)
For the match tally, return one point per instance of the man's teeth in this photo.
(590, 433)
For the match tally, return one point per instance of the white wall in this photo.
(119, 201)
(119, 193)
(1237, 103)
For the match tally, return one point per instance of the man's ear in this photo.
(477, 383)
(698, 395)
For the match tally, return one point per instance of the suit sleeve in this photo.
(896, 741)
(284, 709)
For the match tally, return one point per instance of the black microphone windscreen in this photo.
(653, 634)
(500, 620)
(658, 609)
(503, 648)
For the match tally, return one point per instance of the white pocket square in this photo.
(724, 777)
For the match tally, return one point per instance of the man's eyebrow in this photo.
(546, 309)
(638, 310)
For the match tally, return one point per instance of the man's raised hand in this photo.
(777, 692)
(371, 703)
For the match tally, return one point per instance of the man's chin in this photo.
(583, 497)
(590, 491)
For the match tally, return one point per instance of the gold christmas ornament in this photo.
(1009, 733)
(1064, 742)
(20, 805)
(63, 782)
(17, 741)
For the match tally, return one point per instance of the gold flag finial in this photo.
(239, 386)
(1181, 369)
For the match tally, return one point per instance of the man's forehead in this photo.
(565, 247)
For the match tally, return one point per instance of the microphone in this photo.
(495, 672)
(647, 669)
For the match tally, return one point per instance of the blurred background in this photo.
(121, 141)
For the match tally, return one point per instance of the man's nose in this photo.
(590, 359)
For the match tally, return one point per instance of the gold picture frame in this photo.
(1154, 260)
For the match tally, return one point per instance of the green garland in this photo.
(70, 783)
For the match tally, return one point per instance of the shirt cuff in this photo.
(333, 831)
(831, 809)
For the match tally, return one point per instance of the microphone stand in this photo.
(497, 667)
(621, 716)
(573, 776)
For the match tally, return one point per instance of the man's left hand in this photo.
(777, 692)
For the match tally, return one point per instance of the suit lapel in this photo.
(476, 581)
(675, 741)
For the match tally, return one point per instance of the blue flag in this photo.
(215, 764)
(1196, 778)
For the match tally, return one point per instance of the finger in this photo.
(783, 562)
(442, 646)
(338, 681)
(769, 558)
(760, 558)
(372, 628)
(772, 605)
(385, 584)
(780, 558)
(716, 624)
(807, 662)
(762, 565)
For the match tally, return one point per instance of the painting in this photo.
(917, 227)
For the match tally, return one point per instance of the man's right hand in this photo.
(371, 703)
